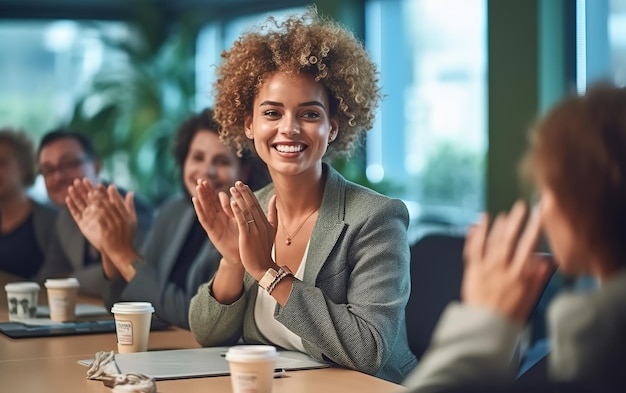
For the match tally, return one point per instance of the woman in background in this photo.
(177, 255)
(25, 225)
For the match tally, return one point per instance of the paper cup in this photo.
(23, 298)
(62, 294)
(252, 368)
(132, 325)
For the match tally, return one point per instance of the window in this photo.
(600, 42)
(46, 72)
(218, 36)
(43, 75)
(429, 142)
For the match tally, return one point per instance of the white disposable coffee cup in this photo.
(132, 325)
(22, 298)
(252, 368)
(62, 293)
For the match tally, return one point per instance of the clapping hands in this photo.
(239, 229)
(107, 220)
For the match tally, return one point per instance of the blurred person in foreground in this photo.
(177, 256)
(25, 225)
(65, 155)
(577, 161)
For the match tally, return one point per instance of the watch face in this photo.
(268, 278)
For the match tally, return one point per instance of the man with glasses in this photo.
(65, 155)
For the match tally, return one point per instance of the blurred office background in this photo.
(463, 80)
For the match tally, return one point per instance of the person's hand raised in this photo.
(218, 221)
(502, 272)
(85, 216)
(256, 232)
(118, 220)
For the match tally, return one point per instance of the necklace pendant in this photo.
(288, 241)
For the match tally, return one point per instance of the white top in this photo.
(264, 308)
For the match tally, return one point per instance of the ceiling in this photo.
(123, 9)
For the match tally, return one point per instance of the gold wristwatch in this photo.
(272, 277)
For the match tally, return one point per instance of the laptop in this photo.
(199, 362)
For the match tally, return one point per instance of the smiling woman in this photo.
(312, 262)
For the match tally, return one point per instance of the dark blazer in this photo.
(349, 307)
(66, 250)
(43, 219)
(160, 251)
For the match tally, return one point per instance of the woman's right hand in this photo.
(217, 219)
(84, 214)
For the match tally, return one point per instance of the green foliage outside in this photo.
(451, 177)
(132, 114)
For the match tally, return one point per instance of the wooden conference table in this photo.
(50, 364)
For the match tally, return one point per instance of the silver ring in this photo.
(250, 221)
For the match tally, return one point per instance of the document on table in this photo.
(198, 362)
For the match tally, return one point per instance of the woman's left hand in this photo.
(256, 231)
(502, 272)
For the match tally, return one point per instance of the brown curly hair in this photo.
(308, 44)
(579, 151)
(24, 150)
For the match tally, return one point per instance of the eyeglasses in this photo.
(63, 166)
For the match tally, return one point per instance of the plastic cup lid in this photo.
(25, 286)
(132, 308)
(62, 283)
(251, 353)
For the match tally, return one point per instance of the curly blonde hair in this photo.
(308, 44)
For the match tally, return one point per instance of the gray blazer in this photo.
(66, 250)
(349, 307)
(160, 251)
(44, 217)
(477, 346)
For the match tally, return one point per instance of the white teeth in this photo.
(289, 149)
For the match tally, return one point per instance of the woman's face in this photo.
(564, 243)
(209, 159)
(290, 123)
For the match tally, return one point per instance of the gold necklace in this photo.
(290, 236)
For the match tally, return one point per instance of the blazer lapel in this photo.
(72, 240)
(329, 226)
(178, 239)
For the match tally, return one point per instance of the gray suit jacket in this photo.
(44, 217)
(473, 346)
(349, 307)
(66, 250)
(160, 251)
